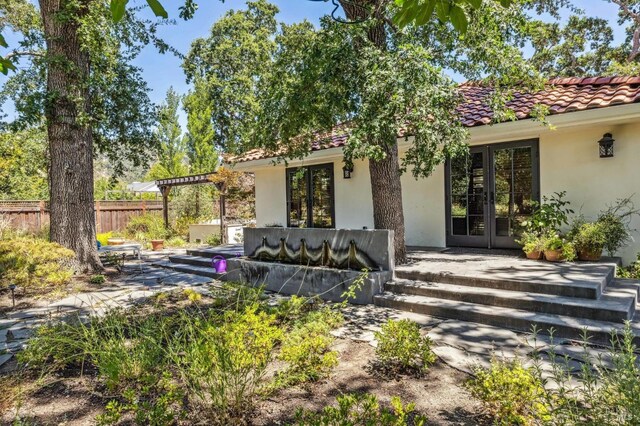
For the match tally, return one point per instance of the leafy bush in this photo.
(531, 242)
(35, 264)
(550, 215)
(214, 240)
(590, 237)
(175, 242)
(362, 409)
(224, 364)
(402, 348)
(97, 279)
(512, 393)
(615, 221)
(631, 271)
(306, 348)
(146, 227)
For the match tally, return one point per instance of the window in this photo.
(310, 201)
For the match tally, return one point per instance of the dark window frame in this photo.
(309, 202)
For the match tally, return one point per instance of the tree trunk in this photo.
(386, 186)
(70, 139)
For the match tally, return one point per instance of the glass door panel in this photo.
(466, 200)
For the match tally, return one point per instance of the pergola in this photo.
(165, 186)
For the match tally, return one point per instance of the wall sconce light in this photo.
(606, 146)
(347, 170)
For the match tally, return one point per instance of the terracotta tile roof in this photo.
(561, 95)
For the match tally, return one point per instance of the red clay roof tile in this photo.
(561, 95)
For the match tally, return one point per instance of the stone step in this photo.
(614, 305)
(202, 261)
(228, 251)
(514, 319)
(570, 280)
(203, 271)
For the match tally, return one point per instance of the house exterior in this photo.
(476, 201)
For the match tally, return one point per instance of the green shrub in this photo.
(531, 242)
(550, 215)
(97, 279)
(589, 237)
(214, 240)
(401, 348)
(175, 242)
(157, 404)
(147, 227)
(511, 393)
(615, 221)
(35, 264)
(362, 409)
(306, 348)
(223, 364)
(631, 271)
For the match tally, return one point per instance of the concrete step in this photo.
(183, 259)
(514, 319)
(615, 305)
(227, 251)
(581, 281)
(203, 271)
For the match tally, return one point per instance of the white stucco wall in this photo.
(569, 161)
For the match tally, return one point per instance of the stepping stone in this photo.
(478, 338)
(3, 335)
(6, 323)
(19, 334)
(4, 358)
(460, 359)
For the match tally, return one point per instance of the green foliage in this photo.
(214, 240)
(172, 158)
(23, 165)
(550, 215)
(421, 12)
(176, 242)
(402, 348)
(512, 393)
(228, 67)
(615, 222)
(590, 237)
(631, 271)
(98, 279)
(362, 409)
(226, 362)
(146, 227)
(553, 241)
(35, 264)
(306, 347)
(531, 242)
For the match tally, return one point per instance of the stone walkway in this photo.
(466, 345)
(137, 283)
(461, 345)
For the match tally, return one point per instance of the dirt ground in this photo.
(440, 394)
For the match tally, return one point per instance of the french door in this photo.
(490, 192)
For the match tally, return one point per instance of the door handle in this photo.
(485, 201)
(492, 198)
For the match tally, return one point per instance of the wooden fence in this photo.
(110, 215)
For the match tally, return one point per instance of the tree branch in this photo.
(16, 54)
(635, 48)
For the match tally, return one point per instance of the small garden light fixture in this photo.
(347, 170)
(606, 145)
(12, 287)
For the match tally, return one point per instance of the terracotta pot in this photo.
(157, 245)
(115, 241)
(554, 255)
(534, 255)
(589, 255)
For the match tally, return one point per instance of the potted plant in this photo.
(558, 249)
(115, 239)
(589, 240)
(157, 245)
(532, 245)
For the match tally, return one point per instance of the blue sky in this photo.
(163, 71)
